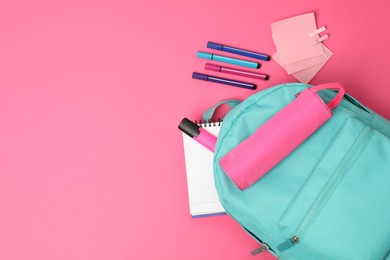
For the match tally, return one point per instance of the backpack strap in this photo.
(209, 113)
(335, 86)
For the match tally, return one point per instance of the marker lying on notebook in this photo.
(251, 54)
(211, 56)
(198, 133)
(234, 71)
(229, 82)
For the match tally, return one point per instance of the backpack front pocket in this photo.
(343, 204)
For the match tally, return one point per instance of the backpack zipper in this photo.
(329, 188)
(263, 246)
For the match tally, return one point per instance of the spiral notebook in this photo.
(203, 197)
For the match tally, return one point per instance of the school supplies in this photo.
(203, 198)
(230, 70)
(306, 75)
(251, 54)
(198, 133)
(299, 46)
(279, 136)
(317, 32)
(326, 198)
(235, 61)
(233, 71)
(230, 82)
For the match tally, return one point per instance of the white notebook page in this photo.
(203, 197)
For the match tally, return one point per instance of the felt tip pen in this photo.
(225, 81)
(220, 58)
(234, 71)
(198, 133)
(251, 54)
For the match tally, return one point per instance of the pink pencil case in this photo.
(279, 136)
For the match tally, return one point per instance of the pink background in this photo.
(91, 93)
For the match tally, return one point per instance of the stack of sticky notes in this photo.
(299, 46)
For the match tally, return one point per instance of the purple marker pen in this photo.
(225, 81)
(198, 133)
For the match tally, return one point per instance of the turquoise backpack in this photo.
(330, 198)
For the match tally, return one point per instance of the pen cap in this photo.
(204, 55)
(189, 127)
(213, 67)
(215, 46)
(196, 75)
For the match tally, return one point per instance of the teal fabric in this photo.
(332, 192)
(208, 114)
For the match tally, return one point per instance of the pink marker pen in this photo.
(198, 133)
(233, 71)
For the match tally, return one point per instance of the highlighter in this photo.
(198, 133)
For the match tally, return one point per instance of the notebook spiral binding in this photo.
(209, 123)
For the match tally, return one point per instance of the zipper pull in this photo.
(288, 243)
(262, 248)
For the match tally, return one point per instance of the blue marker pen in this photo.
(251, 54)
(235, 83)
(211, 56)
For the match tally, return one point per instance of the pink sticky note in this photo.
(306, 75)
(304, 64)
(292, 41)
